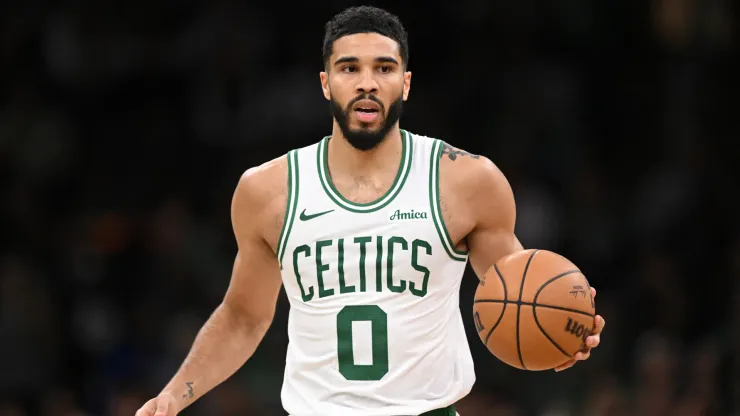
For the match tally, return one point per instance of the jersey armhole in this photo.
(291, 205)
(434, 203)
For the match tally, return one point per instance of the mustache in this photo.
(370, 97)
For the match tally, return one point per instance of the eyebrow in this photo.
(354, 59)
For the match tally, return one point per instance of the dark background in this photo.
(124, 127)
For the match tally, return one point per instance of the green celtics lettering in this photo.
(353, 259)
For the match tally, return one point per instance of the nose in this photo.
(366, 83)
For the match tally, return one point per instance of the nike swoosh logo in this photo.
(306, 217)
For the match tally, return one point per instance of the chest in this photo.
(408, 218)
(392, 248)
(382, 237)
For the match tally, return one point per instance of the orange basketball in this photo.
(533, 310)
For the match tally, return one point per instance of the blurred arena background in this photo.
(124, 127)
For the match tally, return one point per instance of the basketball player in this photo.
(369, 231)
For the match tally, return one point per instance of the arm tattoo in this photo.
(189, 394)
(453, 153)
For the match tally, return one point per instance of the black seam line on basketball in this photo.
(501, 316)
(537, 321)
(563, 274)
(519, 309)
(536, 305)
(498, 321)
(503, 282)
(534, 309)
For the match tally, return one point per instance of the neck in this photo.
(345, 159)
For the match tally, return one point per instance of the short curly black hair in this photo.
(365, 19)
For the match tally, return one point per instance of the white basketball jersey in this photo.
(375, 325)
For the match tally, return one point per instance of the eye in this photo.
(349, 69)
(385, 69)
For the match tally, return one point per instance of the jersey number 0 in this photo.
(379, 322)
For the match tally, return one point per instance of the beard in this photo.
(364, 138)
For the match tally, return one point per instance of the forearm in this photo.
(224, 343)
(487, 247)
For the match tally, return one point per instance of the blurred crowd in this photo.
(124, 127)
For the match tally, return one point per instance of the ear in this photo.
(324, 76)
(406, 85)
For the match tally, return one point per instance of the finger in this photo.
(565, 366)
(592, 341)
(580, 356)
(148, 409)
(599, 324)
(162, 406)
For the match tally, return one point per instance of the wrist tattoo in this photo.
(189, 394)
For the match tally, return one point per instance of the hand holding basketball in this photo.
(592, 341)
(535, 310)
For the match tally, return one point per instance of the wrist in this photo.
(173, 399)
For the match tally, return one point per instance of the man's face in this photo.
(366, 86)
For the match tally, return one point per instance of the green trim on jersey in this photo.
(434, 202)
(447, 411)
(292, 205)
(403, 172)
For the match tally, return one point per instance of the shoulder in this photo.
(470, 172)
(259, 184)
(476, 183)
(258, 180)
(260, 198)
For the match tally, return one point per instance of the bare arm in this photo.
(488, 201)
(494, 211)
(236, 327)
(482, 213)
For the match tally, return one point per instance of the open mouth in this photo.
(366, 115)
(367, 110)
